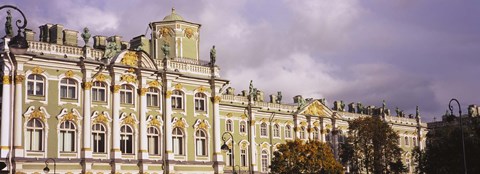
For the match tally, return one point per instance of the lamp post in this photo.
(18, 44)
(461, 128)
(226, 148)
(46, 169)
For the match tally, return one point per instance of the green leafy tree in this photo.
(443, 152)
(305, 157)
(372, 146)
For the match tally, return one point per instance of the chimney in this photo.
(70, 37)
(45, 33)
(99, 42)
(29, 34)
(56, 34)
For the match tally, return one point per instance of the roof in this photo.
(173, 17)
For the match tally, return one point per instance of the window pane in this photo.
(63, 92)
(71, 92)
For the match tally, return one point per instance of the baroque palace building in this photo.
(152, 105)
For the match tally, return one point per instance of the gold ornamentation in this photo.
(328, 126)
(303, 123)
(6, 80)
(217, 99)
(69, 74)
(87, 85)
(153, 83)
(88, 173)
(154, 122)
(19, 79)
(203, 125)
(101, 77)
(263, 120)
(316, 123)
(165, 32)
(143, 91)
(253, 122)
(264, 146)
(116, 88)
(129, 120)
(179, 123)
(37, 114)
(229, 115)
(130, 59)
(128, 78)
(243, 117)
(244, 145)
(178, 86)
(37, 70)
(101, 118)
(189, 32)
(168, 94)
(130, 70)
(201, 89)
(69, 117)
(314, 109)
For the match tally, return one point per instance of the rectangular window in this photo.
(99, 143)
(153, 145)
(243, 157)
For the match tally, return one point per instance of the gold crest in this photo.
(130, 59)
(128, 78)
(153, 83)
(37, 70)
(69, 74)
(6, 80)
(19, 79)
(189, 32)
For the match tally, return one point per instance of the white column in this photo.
(116, 153)
(18, 117)
(6, 112)
(168, 125)
(87, 150)
(253, 144)
(216, 129)
(143, 153)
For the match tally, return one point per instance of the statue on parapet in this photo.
(342, 105)
(166, 49)
(111, 50)
(279, 97)
(397, 111)
(252, 92)
(8, 24)
(86, 35)
(213, 56)
(351, 107)
(360, 109)
(323, 101)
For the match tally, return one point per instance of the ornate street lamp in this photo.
(461, 128)
(46, 169)
(18, 44)
(226, 148)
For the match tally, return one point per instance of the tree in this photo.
(443, 152)
(372, 146)
(305, 157)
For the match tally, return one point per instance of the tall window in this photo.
(153, 136)
(229, 159)
(263, 129)
(34, 135)
(288, 131)
(126, 139)
(177, 137)
(243, 157)
(414, 141)
(243, 127)
(68, 88)
(406, 141)
(302, 132)
(35, 85)
(229, 126)
(177, 99)
(153, 97)
(126, 94)
(264, 161)
(67, 136)
(99, 91)
(99, 138)
(201, 142)
(276, 130)
(200, 104)
(315, 133)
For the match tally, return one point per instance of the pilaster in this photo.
(142, 152)
(18, 146)
(6, 115)
(115, 151)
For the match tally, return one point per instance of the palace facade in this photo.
(152, 105)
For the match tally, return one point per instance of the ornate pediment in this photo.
(155, 121)
(201, 124)
(38, 113)
(179, 122)
(72, 115)
(316, 108)
(103, 117)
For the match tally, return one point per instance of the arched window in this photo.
(68, 88)
(178, 140)
(302, 132)
(99, 91)
(229, 126)
(264, 161)
(243, 157)
(243, 127)
(200, 104)
(414, 141)
(126, 94)
(315, 133)
(153, 97)
(35, 85)
(263, 129)
(276, 130)
(126, 139)
(406, 141)
(288, 131)
(201, 142)
(177, 99)
(34, 135)
(99, 138)
(67, 136)
(154, 141)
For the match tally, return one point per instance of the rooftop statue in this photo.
(351, 107)
(360, 108)
(8, 24)
(397, 111)
(213, 56)
(342, 105)
(166, 49)
(86, 35)
(279, 97)
(111, 50)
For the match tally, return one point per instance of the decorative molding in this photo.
(19, 79)
(303, 123)
(179, 122)
(101, 78)
(130, 70)
(201, 124)
(168, 94)
(72, 115)
(201, 89)
(155, 121)
(316, 123)
(165, 32)
(130, 119)
(103, 118)
(40, 113)
(87, 85)
(130, 59)
(153, 83)
(243, 117)
(189, 32)
(116, 88)
(265, 145)
(128, 78)
(143, 91)
(229, 115)
(315, 109)
(6, 80)
(217, 99)
(37, 70)
(178, 86)
(69, 74)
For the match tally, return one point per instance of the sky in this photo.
(406, 52)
